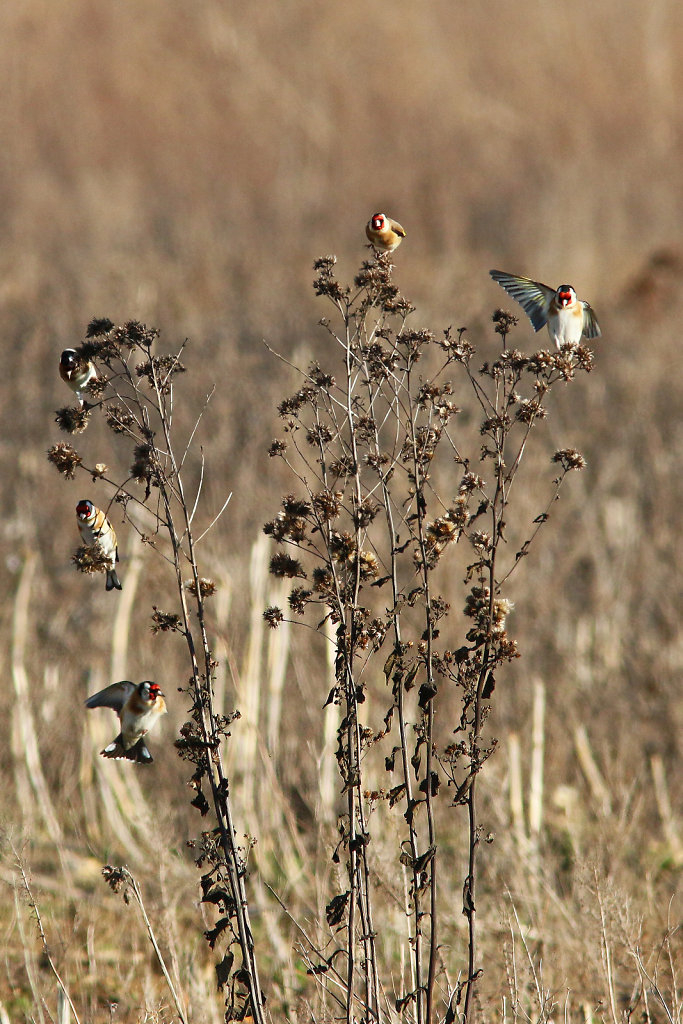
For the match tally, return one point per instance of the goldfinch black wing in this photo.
(533, 297)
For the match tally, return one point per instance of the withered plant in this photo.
(134, 391)
(388, 488)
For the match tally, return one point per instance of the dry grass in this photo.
(183, 164)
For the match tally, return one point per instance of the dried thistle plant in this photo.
(370, 439)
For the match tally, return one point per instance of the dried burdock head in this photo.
(375, 275)
(284, 565)
(564, 362)
(327, 504)
(65, 458)
(298, 599)
(493, 423)
(442, 530)
(273, 616)
(91, 559)
(165, 622)
(72, 419)
(481, 540)
(322, 380)
(119, 419)
(398, 304)
(570, 458)
(292, 406)
(97, 327)
(145, 465)
(504, 322)
(159, 371)
(277, 447)
(105, 348)
(319, 435)
(133, 334)
(207, 588)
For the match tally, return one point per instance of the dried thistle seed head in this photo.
(319, 435)
(298, 599)
(322, 380)
(368, 566)
(458, 513)
(570, 458)
(511, 359)
(133, 334)
(145, 464)
(97, 386)
(91, 559)
(99, 470)
(342, 467)
(501, 609)
(207, 588)
(65, 458)
(323, 579)
(327, 504)
(504, 321)
(97, 327)
(277, 447)
(530, 409)
(584, 358)
(365, 513)
(273, 616)
(481, 540)
(342, 546)
(72, 419)
(326, 283)
(164, 622)
(540, 362)
(283, 565)
(292, 406)
(471, 482)
(159, 371)
(118, 419)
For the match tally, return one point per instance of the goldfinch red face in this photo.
(85, 509)
(565, 295)
(378, 221)
(150, 691)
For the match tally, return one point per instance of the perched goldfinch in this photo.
(96, 528)
(566, 317)
(139, 708)
(76, 372)
(384, 233)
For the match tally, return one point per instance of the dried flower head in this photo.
(90, 560)
(145, 465)
(504, 322)
(98, 326)
(277, 447)
(72, 419)
(99, 470)
(118, 419)
(298, 599)
(207, 588)
(64, 458)
(159, 371)
(284, 565)
(273, 616)
(165, 622)
(570, 458)
(327, 504)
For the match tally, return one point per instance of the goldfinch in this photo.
(384, 233)
(139, 708)
(566, 317)
(76, 372)
(96, 528)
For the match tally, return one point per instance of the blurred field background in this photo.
(183, 163)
